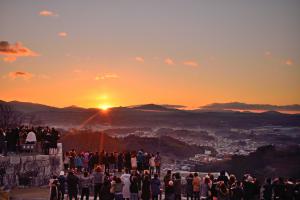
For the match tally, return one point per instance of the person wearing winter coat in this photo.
(189, 186)
(61, 187)
(205, 192)
(177, 186)
(117, 188)
(267, 190)
(125, 178)
(222, 191)
(134, 188)
(73, 182)
(196, 186)
(53, 188)
(155, 187)
(86, 183)
(98, 178)
(146, 187)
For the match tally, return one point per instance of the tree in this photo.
(9, 117)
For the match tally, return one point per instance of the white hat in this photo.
(62, 173)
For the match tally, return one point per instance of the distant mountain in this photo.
(28, 107)
(244, 106)
(154, 107)
(152, 115)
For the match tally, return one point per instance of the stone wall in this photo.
(31, 170)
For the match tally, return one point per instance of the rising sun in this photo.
(104, 106)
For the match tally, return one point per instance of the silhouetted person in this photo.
(73, 182)
(267, 189)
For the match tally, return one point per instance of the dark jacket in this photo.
(155, 186)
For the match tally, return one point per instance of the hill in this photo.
(97, 141)
(266, 161)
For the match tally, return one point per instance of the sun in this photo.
(104, 107)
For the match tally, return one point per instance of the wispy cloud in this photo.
(47, 13)
(289, 62)
(14, 50)
(268, 54)
(106, 76)
(169, 61)
(191, 63)
(139, 59)
(62, 34)
(20, 74)
(9, 59)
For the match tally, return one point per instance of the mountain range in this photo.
(154, 115)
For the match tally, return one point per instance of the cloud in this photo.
(191, 63)
(169, 61)
(47, 13)
(268, 54)
(15, 50)
(9, 59)
(106, 76)
(62, 34)
(289, 62)
(20, 74)
(139, 59)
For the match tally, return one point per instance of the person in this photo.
(146, 187)
(54, 188)
(155, 187)
(2, 141)
(86, 183)
(125, 178)
(31, 138)
(120, 162)
(133, 162)
(236, 191)
(140, 160)
(205, 192)
(196, 186)
(289, 189)
(157, 161)
(267, 189)
(72, 182)
(177, 186)
(279, 188)
(189, 186)
(152, 164)
(128, 160)
(61, 187)
(169, 186)
(249, 187)
(222, 191)
(67, 161)
(134, 189)
(105, 193)
(78, 162)
(116, 188)
(98, 178)
(223, 177)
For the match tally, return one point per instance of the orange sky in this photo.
(133, 52)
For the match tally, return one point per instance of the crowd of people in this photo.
(132, 175)
(12, 139)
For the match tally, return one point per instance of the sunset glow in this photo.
(104, 107)
(161, 52)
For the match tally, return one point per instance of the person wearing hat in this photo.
(61, 187)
